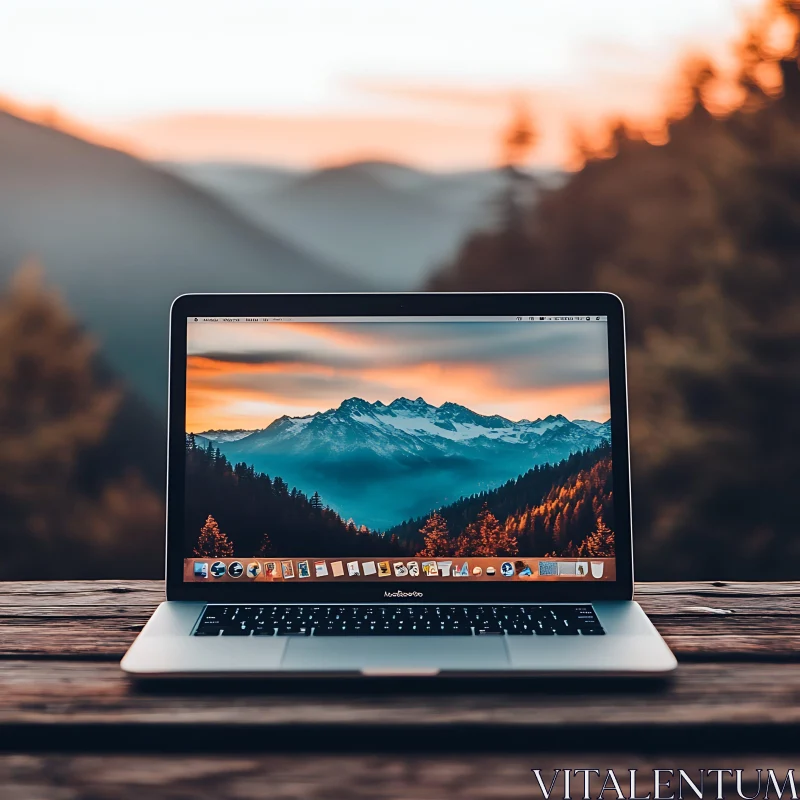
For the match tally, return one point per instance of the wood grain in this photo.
(322, 777)
(78, 692)
(31, 594)
(98, 620)
(46, 705)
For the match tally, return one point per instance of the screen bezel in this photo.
(391, 305)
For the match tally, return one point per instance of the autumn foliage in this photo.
(436, 537)
(212, 541)
(487, 537)
(68, 509)
(567, 514)
(552, 509)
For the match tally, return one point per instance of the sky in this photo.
(243, 375)
(429, 82)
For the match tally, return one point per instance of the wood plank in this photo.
(724, 708)
(325, 777)
(720, 588)
(100, 619)
(31, 594)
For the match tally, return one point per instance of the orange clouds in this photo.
(476, 386)
(216, 398)
(257, 373)
(430, 125)
(309, 140)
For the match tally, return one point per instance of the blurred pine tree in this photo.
(65, 513)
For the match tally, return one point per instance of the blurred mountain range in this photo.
(385, 223)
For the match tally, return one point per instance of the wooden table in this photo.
(72, 726)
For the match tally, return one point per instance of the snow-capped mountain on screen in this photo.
(225, 436)
(382, 463)
(591, 425)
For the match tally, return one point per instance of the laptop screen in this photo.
(411, 449)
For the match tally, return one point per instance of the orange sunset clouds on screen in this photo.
(248, 375)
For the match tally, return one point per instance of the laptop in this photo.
(398, 485)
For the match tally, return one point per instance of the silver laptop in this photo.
(398, 484)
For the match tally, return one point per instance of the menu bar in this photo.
(536, 318)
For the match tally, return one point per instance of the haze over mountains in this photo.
(381, 464)
(384, 222)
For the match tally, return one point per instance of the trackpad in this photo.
(395, 654)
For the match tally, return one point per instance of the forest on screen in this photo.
(553, 509)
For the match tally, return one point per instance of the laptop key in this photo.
(330, 630)
(293, 631)
(518, 629)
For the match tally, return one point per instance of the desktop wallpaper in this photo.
(372, 438)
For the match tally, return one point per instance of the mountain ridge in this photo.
(385, 223)
(450, 408)
(380, 463)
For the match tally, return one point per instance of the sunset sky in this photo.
(247, 375)
(430, 82)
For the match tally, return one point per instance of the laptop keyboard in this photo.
(399, 620)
